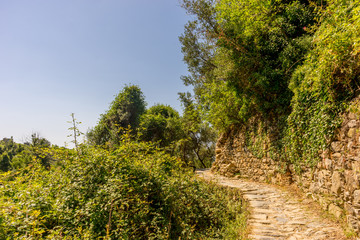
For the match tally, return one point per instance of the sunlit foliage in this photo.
(124, 112)
(292, 65)
(133, 192)
(161, 124)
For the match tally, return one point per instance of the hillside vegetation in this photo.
(288, 68)
(135, 191)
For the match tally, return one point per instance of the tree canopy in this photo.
(243, 53)
(290, 65)
(124, 112)
(162, 124)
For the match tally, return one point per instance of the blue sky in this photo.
(73, 56)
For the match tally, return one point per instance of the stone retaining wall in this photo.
(334, 182)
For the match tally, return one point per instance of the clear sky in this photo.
(59, 57)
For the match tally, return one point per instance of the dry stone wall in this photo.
(334, 182)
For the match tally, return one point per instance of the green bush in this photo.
(133, 192)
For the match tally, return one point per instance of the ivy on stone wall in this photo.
(325, 83)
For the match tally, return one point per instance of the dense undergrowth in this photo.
(135, 191)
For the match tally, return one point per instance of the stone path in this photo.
(274, 214)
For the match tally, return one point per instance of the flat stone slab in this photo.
(261, 237)
(259, 216)
(259, 204)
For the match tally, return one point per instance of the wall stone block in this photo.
(351, 133)
(356, 197)
(352, 124)
(336, 146)
(335, 210)
(327, 163)
(336, 183)
(352, 116)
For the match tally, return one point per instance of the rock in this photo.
(336, 146)
(282, 219)
(351, 184)
(349, 209)
(357, 212)
(347, 197)
(356, 166)
(352, 123)
(351, 133)
(259, 216)
(336, 183)
(335, 210)
(352, 116)
(328, 163)
(323, 203)
(352, 221)
(314, 187)
(356, 196)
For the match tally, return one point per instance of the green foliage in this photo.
(325, 83)
(8, 149)
(245, 53)
(133, 192)
(124, 112)
(37, 141)
(188, 138)
(291, 65)
(162, 124)
(15, 155)
(197, 148)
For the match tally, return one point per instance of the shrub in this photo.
(133, 192)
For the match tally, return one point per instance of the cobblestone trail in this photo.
(274, 214)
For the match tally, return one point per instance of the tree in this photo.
(36, 148)
(197, 148)
(124, 112)
(248, 49)
(37, 141)
(10, 150)
(162, 124)
(5, 162)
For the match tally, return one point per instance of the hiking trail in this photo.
(276, 213)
